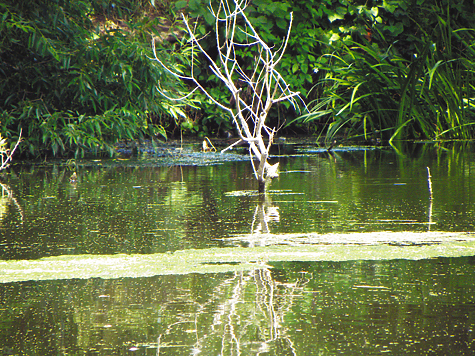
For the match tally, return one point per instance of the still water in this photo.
(387, 295)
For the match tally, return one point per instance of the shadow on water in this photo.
(329, 304)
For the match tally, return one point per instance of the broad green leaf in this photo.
(209, 18)
(390, 6)
(374, 11)
(295, 67)
(396, 29)
(333, 17)
(181, 4)
(281, 23)
(335, 37)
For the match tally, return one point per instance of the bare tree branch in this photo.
(253, 93)
(7, 154)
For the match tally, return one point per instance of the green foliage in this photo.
(77, 79)
(384, 68)
(317, 26)
(77, 76)
(409, 76)
(271, 20)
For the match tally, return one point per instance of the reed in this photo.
(369, 89)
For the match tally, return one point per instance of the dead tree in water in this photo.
(253, 94)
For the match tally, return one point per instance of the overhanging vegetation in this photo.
(77, 76)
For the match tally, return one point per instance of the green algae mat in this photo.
(263, 250)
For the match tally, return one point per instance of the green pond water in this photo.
(355, 252)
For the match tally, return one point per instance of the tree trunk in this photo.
(262, 186)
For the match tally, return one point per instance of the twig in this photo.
(429, 183)
(231, 146)
(9, 155)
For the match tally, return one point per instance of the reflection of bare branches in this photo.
(247, 310)
(201, 309)
(264, 315)
(8, 194)
(247, 314)
(263, 214)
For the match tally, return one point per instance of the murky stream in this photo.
(342, 256)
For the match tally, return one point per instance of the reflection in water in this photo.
(286, 308)
(158, 209)
(6, 199)
(431, 198)
(250, 320)
(351, 308)
(264, 213)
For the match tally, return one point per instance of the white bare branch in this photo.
(252, 93)
(6, 154)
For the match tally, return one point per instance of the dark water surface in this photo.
(420, 306)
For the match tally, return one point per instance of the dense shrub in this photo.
(77, 75)
(408, 76)
(384, 69)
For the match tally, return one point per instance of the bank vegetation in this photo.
(77, 77)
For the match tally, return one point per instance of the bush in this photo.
(409, 76)
(77, 75)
